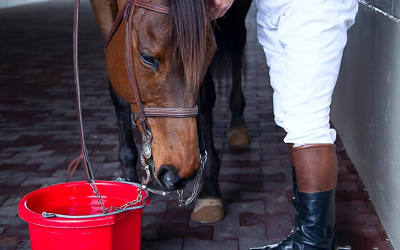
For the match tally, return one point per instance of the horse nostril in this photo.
(169, 178)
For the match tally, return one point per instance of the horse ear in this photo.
(191, 26)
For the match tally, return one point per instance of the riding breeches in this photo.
(303, 42)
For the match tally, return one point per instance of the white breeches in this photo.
(303, 41)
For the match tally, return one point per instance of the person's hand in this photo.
(219, 8)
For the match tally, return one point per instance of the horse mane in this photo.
(191, 22)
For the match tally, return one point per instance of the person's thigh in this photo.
(312, 35)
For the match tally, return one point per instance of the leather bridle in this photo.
(140, 117)
(143, 112)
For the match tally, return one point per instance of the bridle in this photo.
(140, 117)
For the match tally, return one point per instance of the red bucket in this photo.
(76, 199)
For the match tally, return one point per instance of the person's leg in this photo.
(313, 34)
(303, 42)
(317, 175)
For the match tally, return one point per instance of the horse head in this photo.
(168, 53)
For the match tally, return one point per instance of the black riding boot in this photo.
(316, 164)
(316, 221)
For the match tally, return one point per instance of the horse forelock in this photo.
(191, 25)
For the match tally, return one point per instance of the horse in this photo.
(230, 34)
(157, 54)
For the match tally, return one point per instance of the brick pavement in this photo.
(39, 138)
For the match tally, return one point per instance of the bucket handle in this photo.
(117, 211)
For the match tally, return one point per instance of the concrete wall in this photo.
(12, 3)
(366, 107)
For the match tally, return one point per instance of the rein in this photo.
(142, 113)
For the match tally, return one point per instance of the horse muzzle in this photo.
(170, 180)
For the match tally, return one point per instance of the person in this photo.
(303, 42)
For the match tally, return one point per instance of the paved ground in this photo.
(39, 138)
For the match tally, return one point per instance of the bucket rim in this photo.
(32, 217)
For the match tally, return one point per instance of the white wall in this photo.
(366, 107)
(12, 3)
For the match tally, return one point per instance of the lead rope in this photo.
(84, 152)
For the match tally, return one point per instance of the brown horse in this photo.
(170, 45)
(231, 38)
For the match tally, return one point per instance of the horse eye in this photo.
(149, 60)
